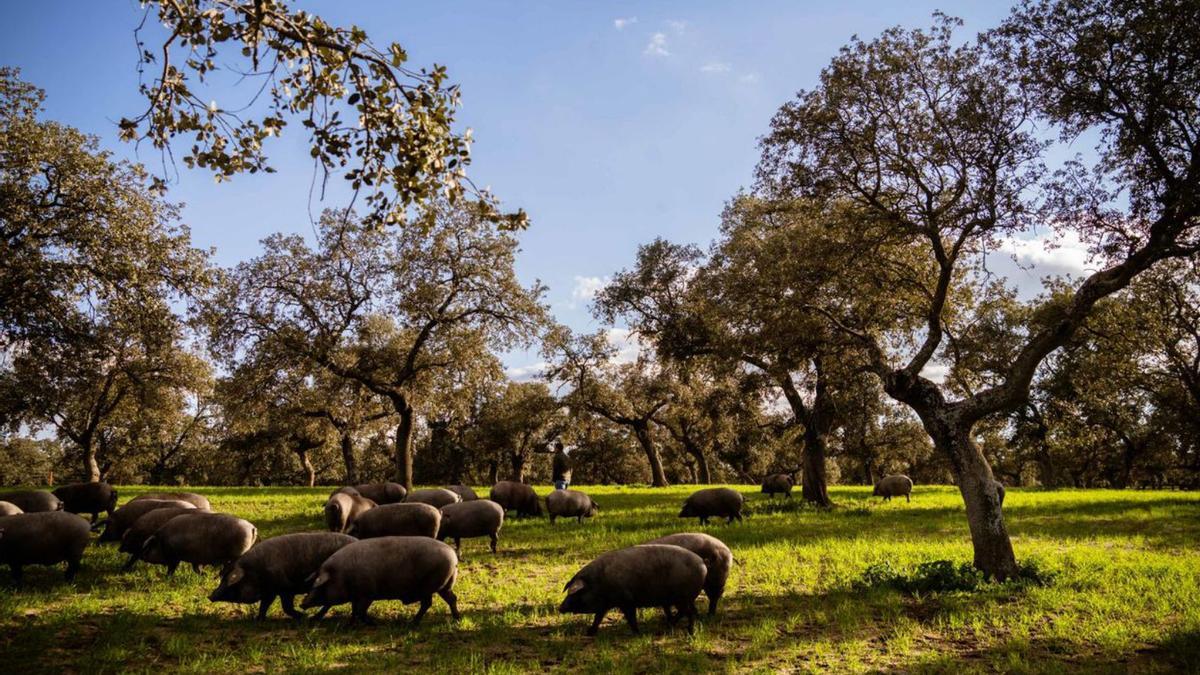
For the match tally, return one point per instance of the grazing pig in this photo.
(33, 501)
(514, 496)
(282, 566)
(778, 484)
(478, 518)
(720, 502)
(465, 493)
(136, 535)
(716, 556)
(397, 520)
(123, 518)
(383, 493)
(347, 490)
(570, 504)
(408, 569)
(200, 538)
(88, 498)
(653, 575)
(435, 497)
(43, 538)
(894, 486)
(342, 509)
(10, 509)
(199, 501)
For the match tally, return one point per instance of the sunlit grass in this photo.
(1126, 595)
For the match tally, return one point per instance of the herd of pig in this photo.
(383, 543)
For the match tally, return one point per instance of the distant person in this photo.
(562, 467)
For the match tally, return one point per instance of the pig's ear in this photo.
(235, 575)
(574, 586)
(321, 580)
(150, 542)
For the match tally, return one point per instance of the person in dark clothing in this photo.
(561, 465)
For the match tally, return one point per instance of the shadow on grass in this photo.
(750, 629)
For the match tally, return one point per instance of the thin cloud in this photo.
(936, 372)
(657, 45)
(1066, 255)
(586, 289)
(533, 371)
(627, 344)
(677, 27)
(749, 78)
(716, 67)
(621, 23)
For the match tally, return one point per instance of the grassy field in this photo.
(1125, 596)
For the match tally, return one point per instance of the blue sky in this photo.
(609, 122)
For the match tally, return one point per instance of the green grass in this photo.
(1125, 597)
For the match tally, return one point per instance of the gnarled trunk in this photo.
(818, 421)
(404, 457)
(349, 459)
(812, 482)
(657, 477)
(700, 471)
(517, 461)
(703, 475)
(91, 467)
(993, 549)
(310, 474)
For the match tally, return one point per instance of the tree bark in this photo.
(404, 457)
(517, 461)
(310, 474)
(703, 476)
(349, 459)
(91, 467)
(813, 482)
(657, 477)
(818, 422)
(993, 549)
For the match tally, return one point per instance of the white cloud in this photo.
(657, 45)
(1050, 255)
(628, 345)
(716, 67)
(621, 23)
(677, 27)
(938, 372)
(527, 373)
(749, 78)
(586, 289)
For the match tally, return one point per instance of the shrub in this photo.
(942, 576)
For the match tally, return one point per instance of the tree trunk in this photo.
(517, 461)
(493, 472)
(349, 459)
(404, 457)
(91, 467)
(657, 477)
(989, 536)
(818, 422)
(703, 476)
(310, 474)
(813, 484)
